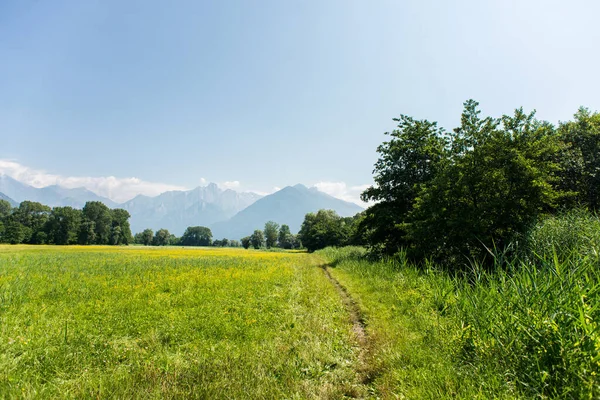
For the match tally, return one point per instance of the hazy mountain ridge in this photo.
(53, 196)
(287, 206)
(228, 213)
(176, 210)
(11, 201)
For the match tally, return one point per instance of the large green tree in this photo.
(325, 228)
(246, 242)
(101, 217)
(197, 236)
(14, 231)
(451, 196)
(410, 159)
(63, 225)
(120, 229)
(257, 239)
(145, 237)
(285, 237)
(271, 231)
(161, 237)
(33, 217)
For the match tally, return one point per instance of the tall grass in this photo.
(530, 327)
(535, 318)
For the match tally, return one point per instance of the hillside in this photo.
(53, 196)
(11, 201)
(176, 210)
(287, 206)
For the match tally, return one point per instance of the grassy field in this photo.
(83, 322)
(528, 328)
(138, 322)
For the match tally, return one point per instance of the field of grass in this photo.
(106, 322)
(527, 328)
(138, 322)
(414, 340)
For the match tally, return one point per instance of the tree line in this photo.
(35, 223)
(273, 235)
(446, 196)
(319, 230)
(193, 236)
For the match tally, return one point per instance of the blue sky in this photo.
(261, 94)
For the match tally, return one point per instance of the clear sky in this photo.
(262, 94)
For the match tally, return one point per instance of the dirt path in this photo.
(365, 373)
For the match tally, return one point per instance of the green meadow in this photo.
(114, 322)
(139, 322)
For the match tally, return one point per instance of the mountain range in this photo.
(176, 210)
(53, 196)
(286, 206)
(228, 213)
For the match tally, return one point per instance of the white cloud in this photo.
(230, 185)
(266, 193)
(116, 189)
(343, 191)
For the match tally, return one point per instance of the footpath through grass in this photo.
(527, 328)
(412, 350)
(106, 322)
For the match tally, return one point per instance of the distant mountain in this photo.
(53, 196)
(176, 210)
(228, 213)
(287, 206)
(11, 201)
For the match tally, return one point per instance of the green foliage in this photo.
(145, 237)
(257, 239)
(32, 216)
(14, 231)
(87, 233)
(35, 223)
(580, 161)
(222, 243)
(325, 228)
(161, 238)
(120, 231)
(448, 197)
(497, 179)
(63, 225)
(535, 321)
(285, 237)
(410, 159)
(197, 236)
(246, 242)
(5, 209)
(99, 219)
(271, 231)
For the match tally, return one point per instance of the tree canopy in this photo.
(447, 196)
(35, 223)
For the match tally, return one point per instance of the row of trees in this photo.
(193, 236)
(273, 235)
(35, 223)
(326, 228)
(450, 195)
